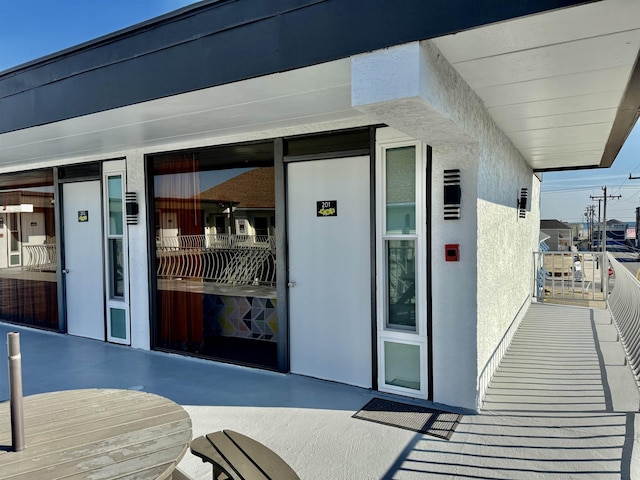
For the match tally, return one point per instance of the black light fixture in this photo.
(452, 194)
(132, 208)
(522, 203)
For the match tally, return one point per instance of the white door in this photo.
(329, 269)
(83, 270)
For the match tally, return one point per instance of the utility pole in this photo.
(604, 214)
(603, 241)
(599, 224)
(589, 215)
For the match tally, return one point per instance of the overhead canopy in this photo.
(564, 86)
(563, 83)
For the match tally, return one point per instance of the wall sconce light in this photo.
(452, 194)
(522, 203)
(132, 208)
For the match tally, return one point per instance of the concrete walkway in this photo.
(561, 405)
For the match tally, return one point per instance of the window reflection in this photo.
(28, 289)
(215, 254)
(401, 283)
(401, 190)
(116, 268)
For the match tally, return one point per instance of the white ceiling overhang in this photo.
(559, 84)
(300, 101)
(555, 82)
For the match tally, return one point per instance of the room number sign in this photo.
(327, 208)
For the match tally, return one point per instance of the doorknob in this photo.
(65, 271)
(291, 284)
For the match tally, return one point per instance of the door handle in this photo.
(65, 271)
(291, 284)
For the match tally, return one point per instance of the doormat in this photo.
(410, 417)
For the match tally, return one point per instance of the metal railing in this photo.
(228, 259)
(624, 304)
(217, 240)
(575, 278)
(40, 258)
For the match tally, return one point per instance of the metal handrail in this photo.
(624, 305)
(568, 276)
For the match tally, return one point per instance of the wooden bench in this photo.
(238, 457)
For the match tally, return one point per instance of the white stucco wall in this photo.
(476, 300)
(454, 284)
(505, 246)
(138, 255)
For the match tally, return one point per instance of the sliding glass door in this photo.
(215, 253)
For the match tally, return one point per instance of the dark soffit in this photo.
(218, 42)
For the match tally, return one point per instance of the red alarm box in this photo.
(452, 252)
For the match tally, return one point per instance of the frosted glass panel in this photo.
(118, 319)
(401, 190)
(402, 365)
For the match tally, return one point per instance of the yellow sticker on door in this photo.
(83, 215)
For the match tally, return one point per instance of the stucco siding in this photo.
(454, 292)
(505, 246)
(476, 300)
(138, 255)
(504, 242)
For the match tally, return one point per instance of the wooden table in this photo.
(95, 434)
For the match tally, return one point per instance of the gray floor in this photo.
(562, 405)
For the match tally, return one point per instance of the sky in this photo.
(566, 195)
(30, 29)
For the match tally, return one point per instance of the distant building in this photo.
(619, 235)
(560, 237)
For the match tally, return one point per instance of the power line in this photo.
(562, 190)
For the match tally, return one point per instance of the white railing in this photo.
(571, 277)
(217, 240)
(228, 259)
(624, 305)
(40, 258)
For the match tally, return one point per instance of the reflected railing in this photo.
(217, 240)
(40, 258)
(571, 278)
(222, 258)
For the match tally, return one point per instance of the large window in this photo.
(28, 288)
(215, 253)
